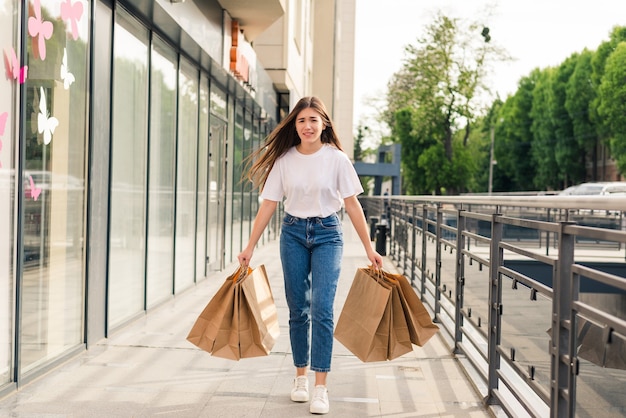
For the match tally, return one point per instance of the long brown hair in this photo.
(285, 136)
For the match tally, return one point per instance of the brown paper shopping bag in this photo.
(219, 309)
(228, 326)
(361, 327)
(372, 324)
(419, 321)
(399, 335)
(258, 295)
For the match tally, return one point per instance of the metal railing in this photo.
(541, 329)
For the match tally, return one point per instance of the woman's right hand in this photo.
(245, 256)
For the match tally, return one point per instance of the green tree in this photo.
(514, 138)
(441, 80)
(542, 127)
(598, 62)
(612, 99)
(579, 96)
(568, 154)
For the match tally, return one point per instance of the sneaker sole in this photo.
(319, 411)
(297, 398)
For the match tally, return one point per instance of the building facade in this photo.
(123, 127)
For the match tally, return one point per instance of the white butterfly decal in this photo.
(66, 76)
(45, 124)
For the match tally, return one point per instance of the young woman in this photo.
(302, 162)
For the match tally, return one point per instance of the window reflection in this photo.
(160, 265)
(203, 143)
(54, 187)
(186, 176)
(128, 171)
(8, 108)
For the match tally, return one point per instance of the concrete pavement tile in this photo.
(234, 405)
(462, 409)
(453, 390)
(407, 408)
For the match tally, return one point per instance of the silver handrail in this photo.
(549, 246)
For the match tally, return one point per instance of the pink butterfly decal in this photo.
(13, 66)
(3, 122)
(40, 29)
(73, 12)
(34, 191)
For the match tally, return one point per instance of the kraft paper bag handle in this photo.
(242, 273)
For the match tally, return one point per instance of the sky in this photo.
(536, 33)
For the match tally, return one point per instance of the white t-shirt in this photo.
(314, 184)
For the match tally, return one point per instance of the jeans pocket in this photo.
(289, 220)
(330, 222)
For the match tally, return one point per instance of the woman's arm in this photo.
(355, 211)
(263, 216)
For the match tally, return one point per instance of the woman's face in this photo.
(309, 126)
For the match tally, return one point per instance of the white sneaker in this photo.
(319, 404)
(300, 391)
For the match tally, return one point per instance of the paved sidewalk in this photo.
(148, 369)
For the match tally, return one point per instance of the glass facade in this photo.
(51, 287)
(156, 169)
(9, 91)
(127, 236)
(160, 263)
(184, 261)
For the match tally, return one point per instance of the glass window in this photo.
(54, 184)
(229, 223)
(248, 144)
(160, 263)
(203, 145)
(186, 176)
(8, 109)
(128, 170)
(238, 205)
(217, 143)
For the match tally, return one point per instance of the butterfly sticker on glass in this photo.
(72, 12)
(66, 76)
(12, 65)
(46, 124)
(40, 29)
(34, 191)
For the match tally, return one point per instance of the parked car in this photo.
(596, 188)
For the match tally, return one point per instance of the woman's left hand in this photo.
(375, 259)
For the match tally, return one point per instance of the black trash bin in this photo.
(381, 237)
(373, 223)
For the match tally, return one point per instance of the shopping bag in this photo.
(205, 330)
(420, 325)
(371, 323)
(258, 295)
(399, 336)
(228, 327)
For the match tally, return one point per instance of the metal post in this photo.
(563, 388)
(414, 236)
(438, 234)
(460, 280)
(495, 308)
(424, 230)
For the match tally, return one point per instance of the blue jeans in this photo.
(310, 252)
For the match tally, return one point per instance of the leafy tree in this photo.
(441, 81)
(412, 147)
(579, 96)
(568, 154)
(598, 62)
(543, 132)
(612, 99)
